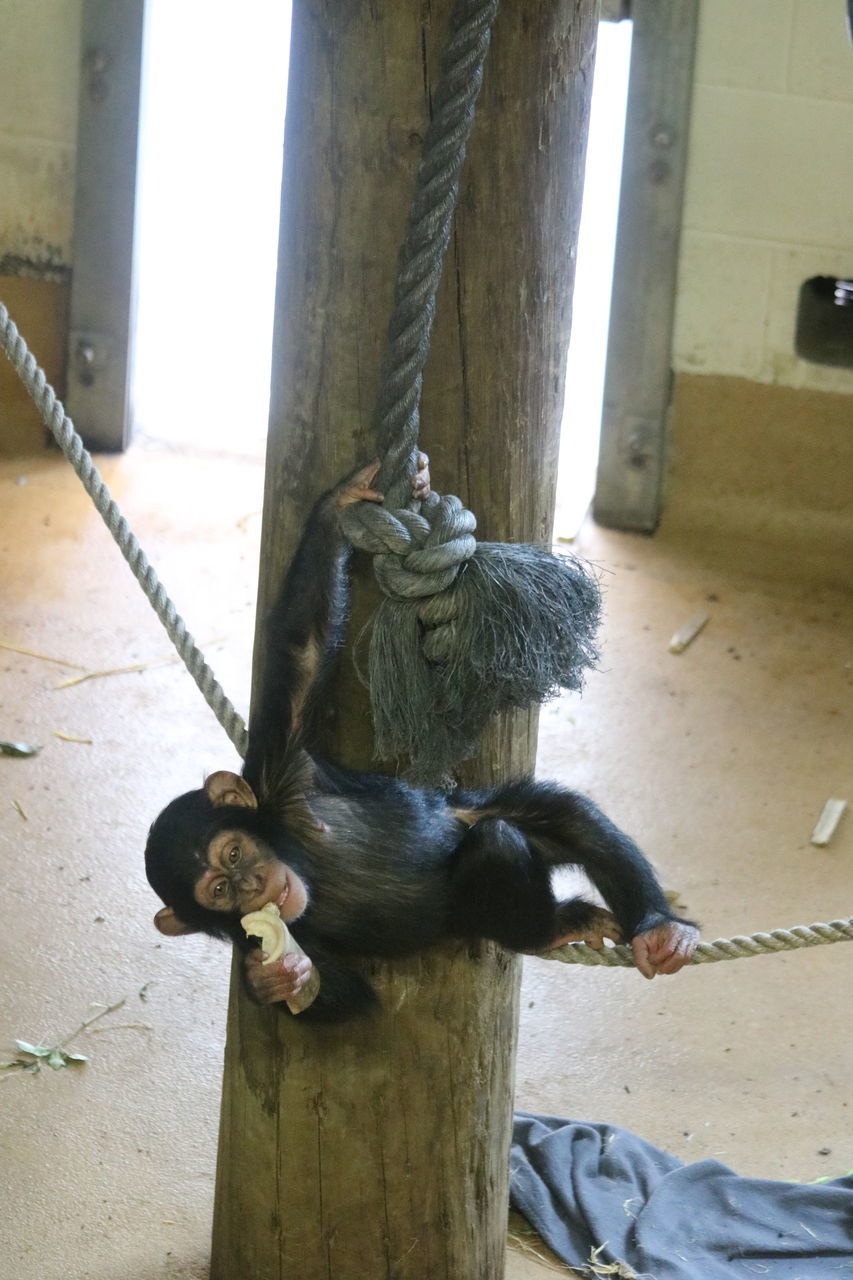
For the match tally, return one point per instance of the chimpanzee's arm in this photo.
(343, 993)
(620, 871)
(661, 941)
(304, 629)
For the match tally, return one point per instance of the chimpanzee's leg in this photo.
(498, 890)
(501, 889)
(563, 828)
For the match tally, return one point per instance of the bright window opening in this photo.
(210, 172)
(210, 175)
(593, 279)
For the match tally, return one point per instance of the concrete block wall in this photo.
(769, 192)
(39, 86)
(761, 447)
(39, 78)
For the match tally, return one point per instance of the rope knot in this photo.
(441, 542)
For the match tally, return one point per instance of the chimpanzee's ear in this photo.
(223, 787)
(168, 923)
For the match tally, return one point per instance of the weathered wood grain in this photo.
(380, 1149)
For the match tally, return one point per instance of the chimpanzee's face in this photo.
(243, 875)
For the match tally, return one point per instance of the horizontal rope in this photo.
(738, 948)
(63, 430)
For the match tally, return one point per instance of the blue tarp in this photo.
(587, 1185)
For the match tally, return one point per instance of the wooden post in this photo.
(379, 1149)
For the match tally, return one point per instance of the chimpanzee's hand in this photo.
(664, 949)
(282, 980)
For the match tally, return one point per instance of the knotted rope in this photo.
(737, 948)
(62, 428)
(465, 630)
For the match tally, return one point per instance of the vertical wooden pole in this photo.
(379, 1149)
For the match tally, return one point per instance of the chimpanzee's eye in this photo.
(219, 889)
(234, 856)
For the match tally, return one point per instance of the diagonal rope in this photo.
(62, 428)
(737, 948)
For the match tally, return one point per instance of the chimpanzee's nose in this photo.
(248, 883)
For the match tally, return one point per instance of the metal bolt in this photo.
(96, 63)
(84, 359)
(638, 448)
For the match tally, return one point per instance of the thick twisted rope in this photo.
(425, 244)
(62, 428)
(738, 948)
(420, 547)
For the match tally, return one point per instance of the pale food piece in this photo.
(827, 823)
(277, 941)
(688, 633)
(267, 925)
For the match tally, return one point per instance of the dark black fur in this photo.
(389, 868)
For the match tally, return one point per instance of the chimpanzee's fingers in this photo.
(421, 480)
(642, 959)
(664, 949)
(296, 970)
(274, 983)
(254, 959)
(682, 945)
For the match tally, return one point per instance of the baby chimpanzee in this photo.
(366, 865)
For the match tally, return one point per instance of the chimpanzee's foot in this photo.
(590, 925)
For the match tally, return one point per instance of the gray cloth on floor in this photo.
(586, 1185)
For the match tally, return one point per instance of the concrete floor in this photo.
(718, 761)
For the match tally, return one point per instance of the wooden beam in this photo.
(380, 1148)
(100, 347)
(638, 376)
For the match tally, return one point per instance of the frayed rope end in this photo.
(524, 627)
